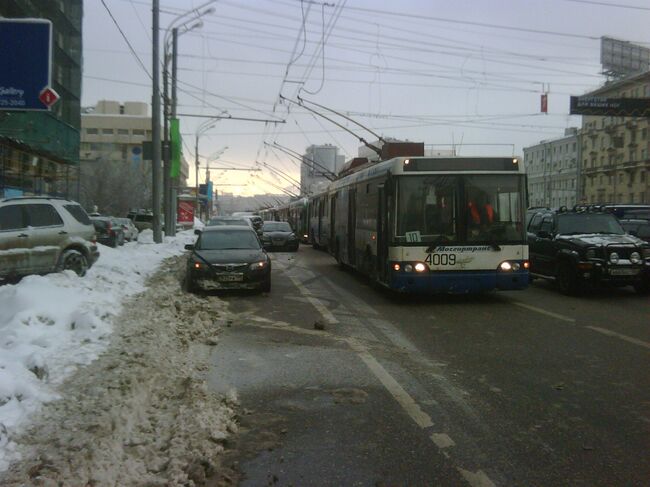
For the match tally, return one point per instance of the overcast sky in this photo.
(462, 72)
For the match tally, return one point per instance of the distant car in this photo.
(130, 231)
(228, 220)
(226, 257)
(141, 220)
(637, 227)
(279, 235)
(255, 222)
(40, 235)
(109, 231)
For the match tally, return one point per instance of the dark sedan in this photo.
(279, 235)
(228, 257)
(109, 231)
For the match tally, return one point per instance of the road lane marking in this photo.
(412, 408)
(442, 440)
(478, 479)
(315, 302)
(544, 312)
(611, 333)
(403, 398)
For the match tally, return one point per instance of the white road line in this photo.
(607, 332)
(442, 440)
(544, 312)
(478, 479)
(315, 302)
(412, 408)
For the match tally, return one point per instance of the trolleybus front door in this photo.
(382, 242)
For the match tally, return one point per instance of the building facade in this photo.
(39, 151)
(553, 171)
(615, 161)
(317, 162)
(115, 178)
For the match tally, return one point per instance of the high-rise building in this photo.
(552, 167)
(615, 165)
(39, 151)
(319, 162)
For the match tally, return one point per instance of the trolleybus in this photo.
(429, 225)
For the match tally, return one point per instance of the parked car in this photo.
(279, 235)
(255, 222)
(581, 249)
(40, 235)
(141, 220)
(228, 220)
(637, 227)
(228, 257)
(109, 231)
(130, 231)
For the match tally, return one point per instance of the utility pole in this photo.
(155, 122)
(173, 184)
(196, 161)
(166, 151)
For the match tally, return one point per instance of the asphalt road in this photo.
(527, 388)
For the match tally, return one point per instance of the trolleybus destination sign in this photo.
(610, 107)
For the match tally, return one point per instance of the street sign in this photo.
(48, 97)
(610, 107)
(25, 63)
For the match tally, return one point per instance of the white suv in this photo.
(40, 235)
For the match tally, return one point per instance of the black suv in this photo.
(586, 247)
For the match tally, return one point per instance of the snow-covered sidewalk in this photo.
(52, 325)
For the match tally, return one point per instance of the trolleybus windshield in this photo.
(459, 209)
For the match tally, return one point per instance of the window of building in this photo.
(632, 155)
(632, 177)
(642, 176)
(138, 132)
(644, 154)
(149, 133)
(92, 131)
(107, 131)
(122, 131)
(644, 133)
(620, 177)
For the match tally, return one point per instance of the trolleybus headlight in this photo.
(408, 268)
(396, 267)
(515, 266)
(505, 266)
(613, 258)
(420, 267)
(635, 258)
(526, 264)
(406, 162)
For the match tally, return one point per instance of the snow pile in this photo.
(141, 414)
(50, 325)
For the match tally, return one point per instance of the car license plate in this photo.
(624, 272)
(230, 277)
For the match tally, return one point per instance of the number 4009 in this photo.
(440, 259)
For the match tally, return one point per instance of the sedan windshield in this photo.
(583, 223)
(277, 227)
(237, 239)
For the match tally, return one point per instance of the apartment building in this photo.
(552, 167)
(614, 159)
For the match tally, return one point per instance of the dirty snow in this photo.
(140, 414)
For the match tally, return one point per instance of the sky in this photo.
(462, 74)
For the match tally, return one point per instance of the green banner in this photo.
(176, 153)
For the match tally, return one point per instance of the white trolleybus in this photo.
(430, 225)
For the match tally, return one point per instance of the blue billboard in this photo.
(25, 63)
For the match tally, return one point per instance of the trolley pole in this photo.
(155, 122)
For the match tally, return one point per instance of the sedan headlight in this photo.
(613, 258)
(635, 258)
(256, 266)
(292, 236)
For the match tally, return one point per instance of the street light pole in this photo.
(173, 183)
